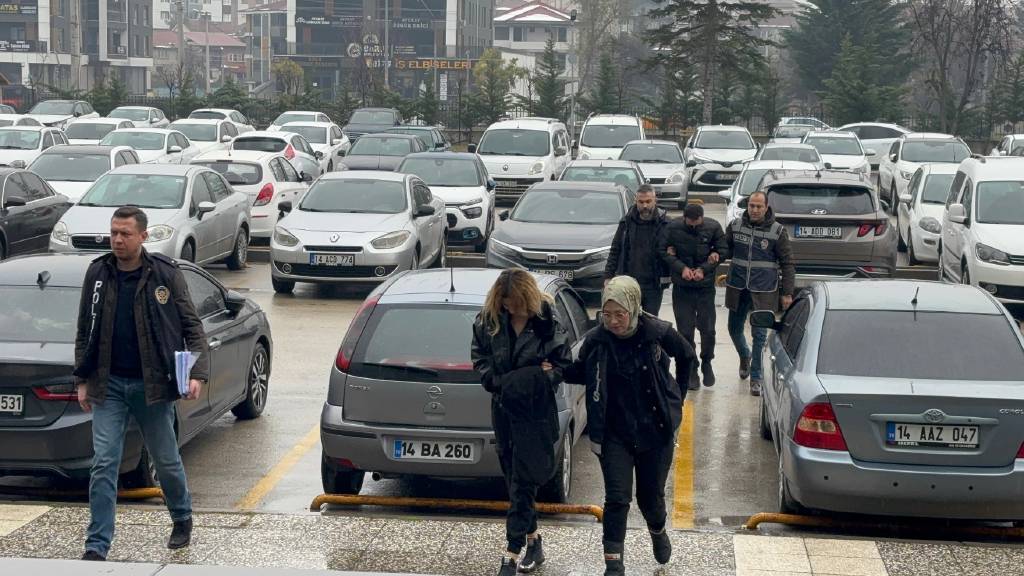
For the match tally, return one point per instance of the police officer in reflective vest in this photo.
(760, 255)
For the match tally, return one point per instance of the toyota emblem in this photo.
(99, 239)
(435, 392)
(334, 237)
(819, 211)
(552, 258)
(934, 415)
(504, 168)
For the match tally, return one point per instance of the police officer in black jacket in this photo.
(634, 248)
(692, 247)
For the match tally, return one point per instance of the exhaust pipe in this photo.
(377, 477)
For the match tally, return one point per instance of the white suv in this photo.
(520, 153)
(983, 227)
(908, 153)
(604, 136)
(715, 156)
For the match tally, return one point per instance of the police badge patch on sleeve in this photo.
(162, 294)
(764, 244)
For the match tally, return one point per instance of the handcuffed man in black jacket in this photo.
(692, 247)
(634, 248)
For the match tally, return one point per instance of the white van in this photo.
(520, 153)
(604, 136)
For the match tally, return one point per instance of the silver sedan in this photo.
(896, 398)
(358, 227)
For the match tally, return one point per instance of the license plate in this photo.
(433, 450)
(819, 232)
(931, 435)
(566, 275)
(12, 404)
(332, 259)
(726, 177)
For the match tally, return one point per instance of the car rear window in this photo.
(790, 199)
(930, 346)
(28, 314)
(236, 173)
(259, 143)
(389, 350)
(88, 130)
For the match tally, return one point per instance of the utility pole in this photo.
(387, 43)
(179, 6)
(206, 40)
(76, 43)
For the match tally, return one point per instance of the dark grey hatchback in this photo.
(43, 432)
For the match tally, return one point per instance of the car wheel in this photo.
(188, 252)
(893, 208)
(239, 256)
(282, 286)
(442, 256)
(482, 246)
(415, 260)
(965, 275)
(143, 475)
(901, 244)
(339, 480)
(787, 504)
(762, 420)
(3, 250)
(911, 256)
(559, 488)
(257, 386)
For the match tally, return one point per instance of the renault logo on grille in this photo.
(334, 237)
(505, 168)
(552, 258)
(934, 415)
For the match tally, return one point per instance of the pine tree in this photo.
(428, 105)
(99, 96)
(494, 79)
(117, 92)
(230, 94)
(668, 101)
(1008, 95)
(603, 97)
(851, 92)
(548, 86)
(710, 35)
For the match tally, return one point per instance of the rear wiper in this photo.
(418, 369)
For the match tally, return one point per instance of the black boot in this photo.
(614, 566)
(181, 535)
(744, 368)
(707, 373)
(93, 556)
(694, 378)
(533, 557)
(662, 546)
(508, 567)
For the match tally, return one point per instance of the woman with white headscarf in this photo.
(634, 407)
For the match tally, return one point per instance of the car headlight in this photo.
(499, 247)
(159, 233)
(285, 238)
(991, 255)
(472, 212)
(929, 224)
(863, 169)
(537, 168)
(391, 240)
(598, 256)
(676, 178)
(584, 156)
(60, 233)
(906, 175)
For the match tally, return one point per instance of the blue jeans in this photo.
(737, 325)
(126, 397)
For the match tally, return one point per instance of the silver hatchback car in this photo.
(407, 402)
(896, 398)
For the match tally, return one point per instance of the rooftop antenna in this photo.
(43, 279)
(451, 270)
(916, 292)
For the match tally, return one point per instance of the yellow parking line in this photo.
(271, 479)
(682, 480)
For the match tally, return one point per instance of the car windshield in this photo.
(568, 207)
(792, 131)
(19, 140)
(750, 179)
(986, 346)
(259, 143)
(208, 115)
(809, 155)
(935, 151)
(389, 350)
(236, 173)
(372, 117)
(135, 114)
(352, 195)
(312, 134)
(515, 142)
(626, 177)
(608, 136)
(88, 130)
(70, 167)
(197, 132)
(1001, 202)
(803, 120)
(724, 140)
(137, 140)
(837, 146)
(443, 171)
(382, 146)
(936, 188)
(54, 107)
(142, 190)
(652, 153)
(794, 199)
(294, 117)
(421, 135)
(28, 314)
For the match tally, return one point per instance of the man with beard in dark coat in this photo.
(634, 250)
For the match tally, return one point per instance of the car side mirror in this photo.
(306, 177)
(424, 211)
(503, 215)
(234, 302)
(13, 201)
(174, 149)
(870, 152)
(491, 185)
(77, 114)
(225, 138)
(828, 165)
(905, 198)
(153, 120)
(205, 207)
(957, 214)
(743, 202)
(284, 206)
(18, 164)
(764, 319)
(471, 148)
(318, 155)
(892, 157)
(725, 194)
(335, 142)
(885, 205)
(439, 145)
(575, 144)
(691, 163)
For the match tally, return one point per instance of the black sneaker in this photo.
(508, 567)
(614, 567)
(744, 368)
(93, 556)
(708, 374)
(694, 383)
(181, 535)
(533, 557)
(755, 387)
(662, 546)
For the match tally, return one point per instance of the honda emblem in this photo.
(552, 258)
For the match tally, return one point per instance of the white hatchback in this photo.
(749, 179)
(919, 216)
(911, 151)
(20, 145)
(207, 135)
(841, 151)
(92, 130)
(154, 145)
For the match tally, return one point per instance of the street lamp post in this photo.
(207, 16)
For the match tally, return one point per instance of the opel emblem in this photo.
(99, 239)
(934, 415)
(334, 237)
(505, 168)
(435, 392)
(819, 211)
(552, 258)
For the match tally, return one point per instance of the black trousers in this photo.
(618, 464)
(522, 494)
(695, 308)
(650, 298)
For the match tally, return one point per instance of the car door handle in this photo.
(215, 344)
(772, 357)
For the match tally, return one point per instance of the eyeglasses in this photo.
(621, 316)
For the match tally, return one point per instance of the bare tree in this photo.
(957, 39)
(597, 22)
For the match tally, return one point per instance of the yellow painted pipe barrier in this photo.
(494, 505)
(126, 494)
(825, 522)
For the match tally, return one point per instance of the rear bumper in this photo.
(808, 273)
(62, 449)
(834, 481)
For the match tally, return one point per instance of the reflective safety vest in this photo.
(754, 265)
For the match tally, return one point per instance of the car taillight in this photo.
(56, 393)
(1020, 451)
(266, 195)
(355, 329)
(880, 227)
(818, 428)
(867, 227)
(289, 152)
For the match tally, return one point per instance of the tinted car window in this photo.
(37, 190)
(28, 314)
(605, 136)
(443, 171)
(834, 199)
(200, 191)
(986, 346)
(568, 207)
(237, 173)
(576, 312)
(288, 171)
(795, 321)
(259, 143)
(207, 114)
(936, 188)
(355, 195)
(382, 147)
(625, 177)
(999, 202)
(88, 130)
(218, 189)
(15, 187)
(935, 151)
(206, 296)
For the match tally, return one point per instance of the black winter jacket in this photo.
(663, 342)
(692, 250)
(165, 322)
(623, 260)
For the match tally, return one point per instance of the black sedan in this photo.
(561, 228)
(29, 209)
(382, 151)
(43, 431)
